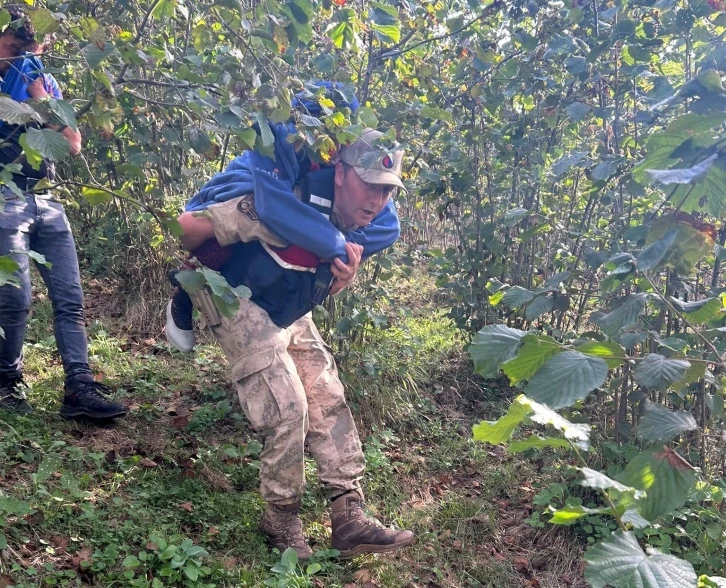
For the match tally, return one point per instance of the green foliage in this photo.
(552, 155)
(619, 561)
(290, 573)
(492, 346)
(566, 378)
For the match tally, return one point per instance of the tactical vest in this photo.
(285, 282)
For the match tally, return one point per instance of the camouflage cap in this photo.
(371, 164)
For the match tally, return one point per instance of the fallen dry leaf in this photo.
(229, 563)
(180, 422)
(362, 575)
(213, 531)
(60, 542)
(148, 463)
(82, 558)
(85, 552)
(6, 581)
(187, 506)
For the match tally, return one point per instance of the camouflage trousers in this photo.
(288, 386)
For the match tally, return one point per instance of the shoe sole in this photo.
(174, 334)
(365, 548)
(15, 410)
(73, 413)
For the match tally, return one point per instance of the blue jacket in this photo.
(24, 70)
(272, 183)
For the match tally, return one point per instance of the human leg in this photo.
(333, 441)
(16, 223)
(53, 239)
(274, 402)
(332, 436)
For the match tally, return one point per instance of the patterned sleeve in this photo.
(51, 86)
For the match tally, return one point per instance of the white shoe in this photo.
(179, 338)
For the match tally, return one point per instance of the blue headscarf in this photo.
(334, 91)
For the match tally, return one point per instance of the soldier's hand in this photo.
(345, 273)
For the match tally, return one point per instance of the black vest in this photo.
(286, 294)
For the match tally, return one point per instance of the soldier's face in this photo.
(358, 202)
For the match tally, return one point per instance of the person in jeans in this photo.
(36, 222)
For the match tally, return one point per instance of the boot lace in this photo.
(94, 389)
(355, 511)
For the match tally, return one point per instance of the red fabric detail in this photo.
(314, 166)
(297, 256)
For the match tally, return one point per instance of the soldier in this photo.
(286, 379)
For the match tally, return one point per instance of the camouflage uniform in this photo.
(287, 383)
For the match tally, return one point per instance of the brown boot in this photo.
(354, 533)
(283, 527)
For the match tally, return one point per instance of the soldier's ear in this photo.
(339, 174)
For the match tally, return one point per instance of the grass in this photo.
(104, 506)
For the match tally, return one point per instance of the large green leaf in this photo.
(49, 143)
(567, 378)
(96, 196)
(594, 479)
(192, 281)
(544, 415)
(513, 216)
(500, 431)
(522, 408)
(608, 350)
(707, 195)
(535, 352)
(17, 113)
(225, 297)
(700, 311)
(651, 257)
(620, 562)
(695, 239)
(577, 111)
(539, 306)
(658, 372)
(566, 162)
(625, 315)
(689, 175)
(660, 424)
(164, 9)
(568, 515)
(536, 442)
(664, 475)
(95, 54)
(492, 346)
(43, 21)
(385, 23)
(516, 296)
(661, 146)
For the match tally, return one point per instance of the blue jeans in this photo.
(40, 224)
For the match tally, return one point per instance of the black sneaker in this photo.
(12, 395)
(84, 397)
